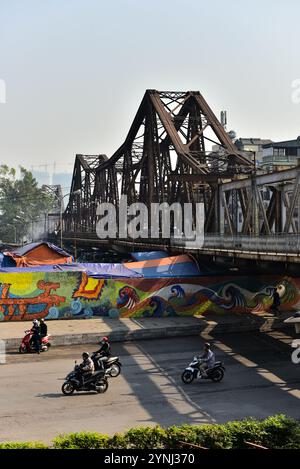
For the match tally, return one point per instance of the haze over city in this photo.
(75, 71)
(149, 229)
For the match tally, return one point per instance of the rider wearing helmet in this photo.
(207, 359)
(102, 354)
(36, 336)
(86, 367)
(43, 328)
(104, 350)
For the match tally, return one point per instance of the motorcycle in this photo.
(215, 373)
(111, 365)
(97, 381)
(26, 345)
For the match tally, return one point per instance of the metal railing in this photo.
(285, 244)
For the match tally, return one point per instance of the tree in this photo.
(22, 203)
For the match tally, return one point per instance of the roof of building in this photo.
(252, 141)
(285, 144)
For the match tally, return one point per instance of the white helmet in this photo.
(35, 322)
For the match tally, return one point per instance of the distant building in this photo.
(252, 148)
(281, 155)
(57, 178)
(64, 180)
(42, 177)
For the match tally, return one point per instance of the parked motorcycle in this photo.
(216, 373)
(27, 347)
(97, 381)
(111, 365)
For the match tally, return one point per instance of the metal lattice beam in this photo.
(166, 157)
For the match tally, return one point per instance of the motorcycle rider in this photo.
(103, 352)
(207, 359)
(43, 328)
(105, 349)
(86, 367)
(36, 336)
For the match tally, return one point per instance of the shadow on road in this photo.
(57, 395)
(159, 394)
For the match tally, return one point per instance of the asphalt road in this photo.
(260, 380)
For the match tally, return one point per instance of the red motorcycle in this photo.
(28, 347)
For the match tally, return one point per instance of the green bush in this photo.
(117, 441)
(281, 432)
(88, 440)
(23, 445)
(145, 437)
(245, 430)
(208, 436)
(275, 432)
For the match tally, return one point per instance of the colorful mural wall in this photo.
(60, 295)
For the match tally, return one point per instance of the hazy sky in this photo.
(76, 70)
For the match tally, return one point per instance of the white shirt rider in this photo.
(207, 359)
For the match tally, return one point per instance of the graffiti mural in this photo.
(61, 295)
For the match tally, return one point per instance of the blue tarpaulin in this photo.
(147, 256)
(102, 270)
(92, 270)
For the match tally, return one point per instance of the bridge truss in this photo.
(166, 157)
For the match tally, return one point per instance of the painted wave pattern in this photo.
(186, 299)
(77, 296)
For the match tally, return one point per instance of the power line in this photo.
(25, 197)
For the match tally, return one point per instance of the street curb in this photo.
(202, 327)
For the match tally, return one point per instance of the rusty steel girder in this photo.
(267, 204)
(164, 158)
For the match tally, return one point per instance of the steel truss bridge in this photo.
(167, 156)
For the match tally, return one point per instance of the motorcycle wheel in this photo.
(115, 370)
(67, 388)
(101, 386)
(217, 375)
(187, 377)
(22, 349)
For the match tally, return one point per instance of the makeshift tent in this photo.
(147, 256)
(34, 254)
(176, 266)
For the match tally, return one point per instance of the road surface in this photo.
(260, 380)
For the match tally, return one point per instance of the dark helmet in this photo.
(207, 345)
(85, 355)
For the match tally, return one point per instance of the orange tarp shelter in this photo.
(41, 253)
